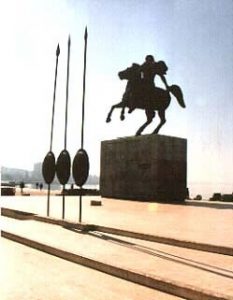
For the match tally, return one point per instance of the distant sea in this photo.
(56, 186)
(206, 190)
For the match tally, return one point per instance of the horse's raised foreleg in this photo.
(118, 105)
(162, 121)
(150, 115)
(122, 113)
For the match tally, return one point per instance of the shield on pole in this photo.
(49, 167)
(63, 167)
(80, 168)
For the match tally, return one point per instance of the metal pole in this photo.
(48, 200)
(67, 93)
(63, 203)
(52, 121)
(83, 112)
(54, 98)
(80, 206)
(84, 87)
(66, 117)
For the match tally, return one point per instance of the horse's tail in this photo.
(177, 92)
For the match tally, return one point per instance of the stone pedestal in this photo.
(148, 167)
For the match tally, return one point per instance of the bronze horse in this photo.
(159, 101)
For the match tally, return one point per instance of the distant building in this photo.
(35, 176)
(37, 167)
(37, 171)
(12, 174)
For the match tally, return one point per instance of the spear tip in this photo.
(58, 50)
(69, 40)
(85, 35)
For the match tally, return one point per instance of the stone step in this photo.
(186, 273)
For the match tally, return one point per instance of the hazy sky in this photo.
(194, 38)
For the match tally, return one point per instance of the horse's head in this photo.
(131, 73)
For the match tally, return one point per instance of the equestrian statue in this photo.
(141, 92)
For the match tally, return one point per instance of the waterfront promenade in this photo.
(194, 222)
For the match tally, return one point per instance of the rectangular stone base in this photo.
(148, 167)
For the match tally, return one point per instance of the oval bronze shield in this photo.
(63, 167)
(80, 168)
(49, 167)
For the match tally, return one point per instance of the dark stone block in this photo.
(149, 167)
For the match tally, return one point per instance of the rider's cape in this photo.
(161, 68)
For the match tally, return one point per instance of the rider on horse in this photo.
(148, 70)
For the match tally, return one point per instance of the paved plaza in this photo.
(195, 221)
(43, 276)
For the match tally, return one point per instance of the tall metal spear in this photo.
(84, 86)
(64, 162)
(54, 97)
(67, 92)
(48, 166)
(80, 167)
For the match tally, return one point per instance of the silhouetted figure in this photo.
(37, 185)
(22, 186)
(148, 70)
(159, 100)
(41, 186)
